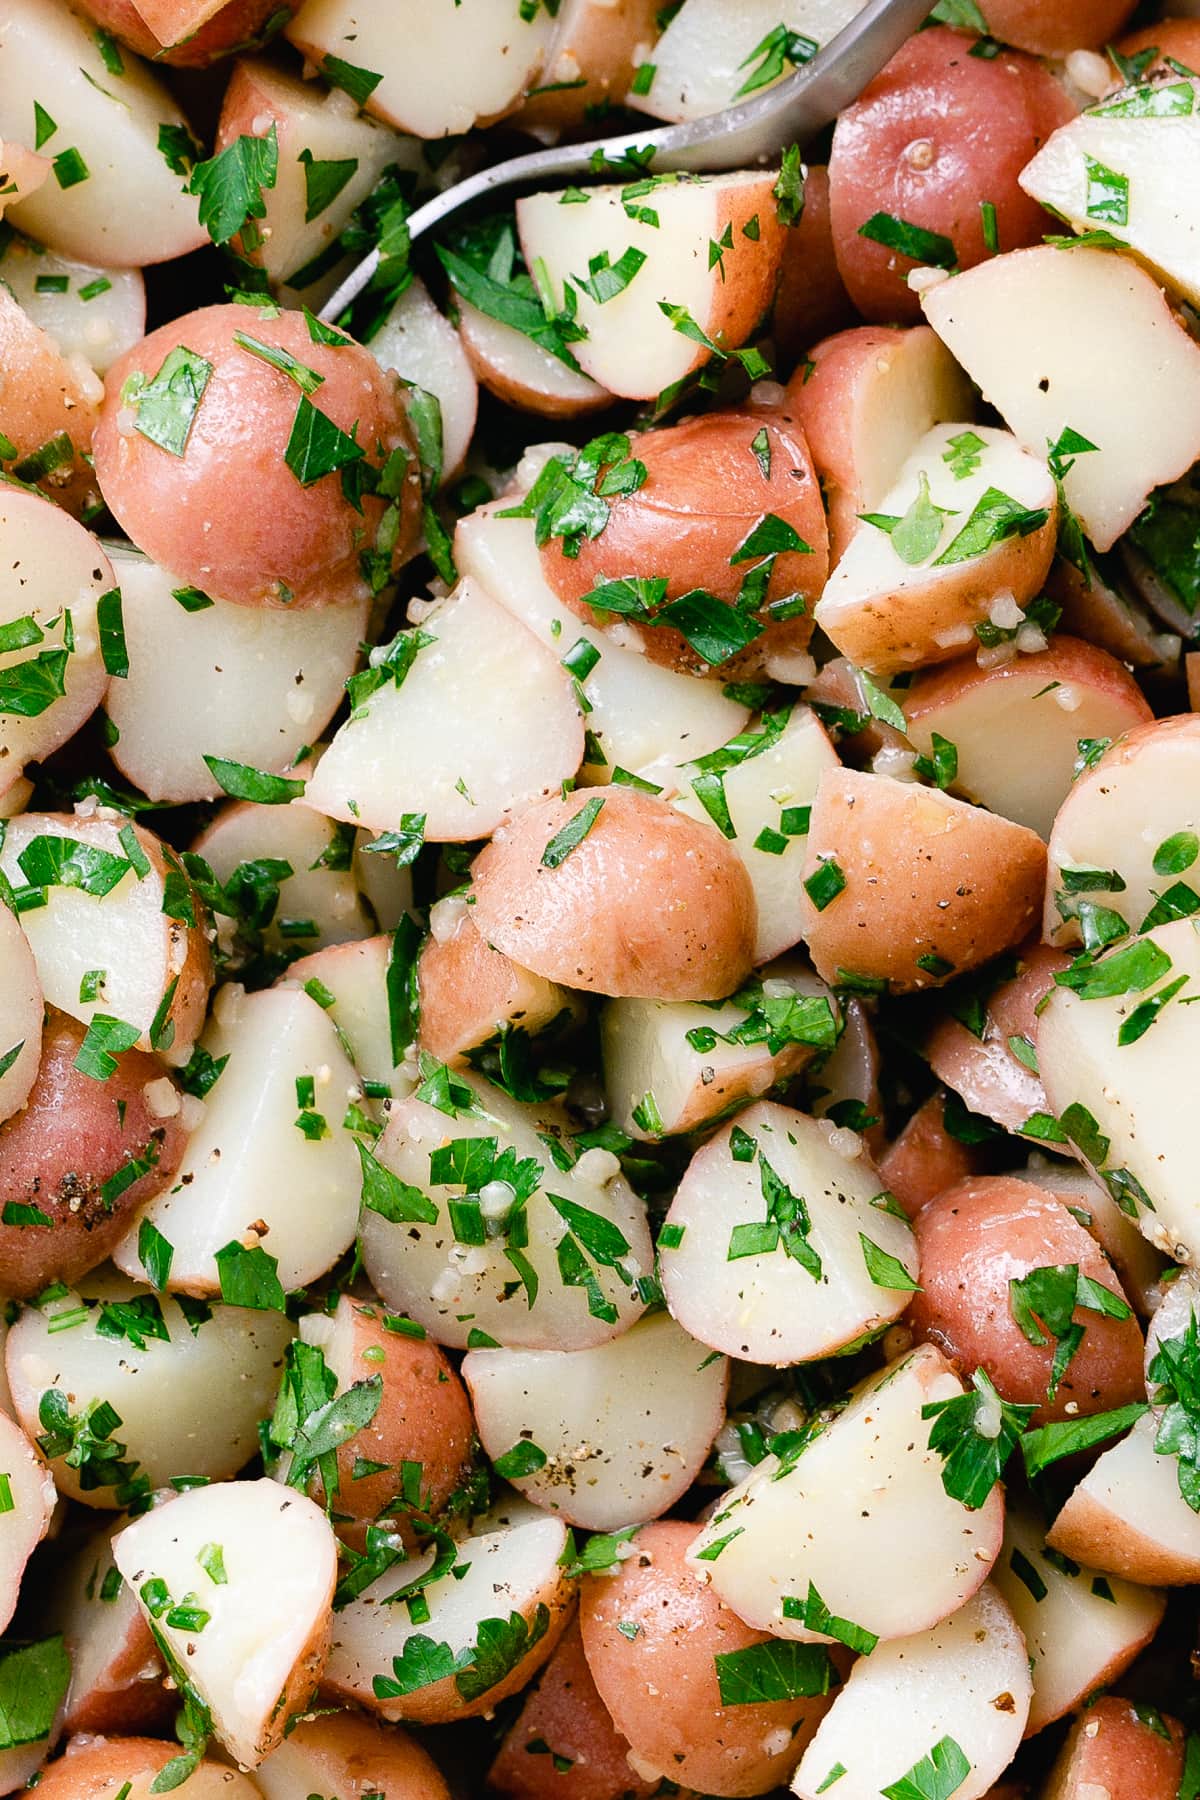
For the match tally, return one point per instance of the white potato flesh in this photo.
(1013, 324)
(757, 791)
(646, 1051)
(631, 347)
(125, 931)
(512, 1568)
(257, 1659)
(1081, 1628)
(418, 1268)
(386, 887)
(873, 579)
(624, 1428)
(48, 563)
(966, 1678)
(98, 314)
(163, 1394)
(115, 1670)
(766, 1306)
(249, 1173)
(512, 366)
(420, 344)
(453, 742)
(1144, 190)
(641, 713)
(708, 51)
(128, 209)
(318, 904)
(250, 684)
(1128, 1517)
(1172, 1317)
(1142, 795)
(21, 1015)
(443, 68)
(356, 975)
(867, 1483)
(29, 1497)
(1137, 1093)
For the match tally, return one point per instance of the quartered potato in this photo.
(1118, 1747)
(472, 993)
(90, 312)
(351, 1755)
(1128, 1516)
(117, 1673)
(711, 53)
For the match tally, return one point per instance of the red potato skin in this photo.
(95, 1768)
(62, 1146)
(973, 1240)
(239, 25)
(469, 990)
(191, 512)
(811, 299)
(1055, 27)
(1179, 38)
(703, 495)
(42, 398)
(1111, 1751)
(924, 1159)
(661, 1687)
(126, 1701)
(360, 1757)
(933, 136)
(984, 1071)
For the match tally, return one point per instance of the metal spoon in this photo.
(753, 131)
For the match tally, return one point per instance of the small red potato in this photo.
(1178, 38)
(590, 60)
(649, 903)
(925, 1158)
(1114, 1748)
(63, 1157)
(864, 397)
(1039, 707)
(1128, 1517)
(660, 1684)
(991, 1070)
(931, 139)
(470, 991)
(520, 372)
(811, 299)
(117, 1768)
(48, 410)
(352, 1757)
(117, 1674)
(908, 886)
(1111, 618)
(1055, 27)
(233, 25)
(705, 494)
(564, 1718)
(974, 1241)
(299, 545)
(355, 973)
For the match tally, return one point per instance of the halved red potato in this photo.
(851, 1074)
(453, 742)
(925, 1158)
(21, 1015)
(663, 1683)
(207, 678)
(1178, 38)
(449, 69)
(301, 544)
(1134, 806)
(234, 25)
(54, 576)
(1128, 1517)
(748, 1272)
(832, 1517)
(1143, 419)
(98, 315)
(109, 914)
(81, 1158)
(1112, 618)
(1123, 1099)
(633, 345)
(1040, 706)
(520, 372)
(564, 1712)
(713, 484)
(640, 712)
(266, 1166)
(1139, 1265)
(48, 410)
(508, 1574)
(864, 398)
(355, 975)
(254, 1643)
(840, 698)
(590, 61)
(470, 991)
(319, 133)
(162, 1392)
(669, 1065)
(953, 536)
(417, 342)
(423, 1417)
(30, 1496)
(908, 886)
(351, 1756)
(1055, 27)
(1082, 1631)
(635, 899)
(116, 1672)
(811, 299)
(711, 51)
(994, 1068)
(603, 1437)
(120, 1768)
(974, 1242)
(966, 1679)
(530, 1286)
(935, 136)
(1114, 1748)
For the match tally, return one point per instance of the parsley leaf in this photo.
(230, 185)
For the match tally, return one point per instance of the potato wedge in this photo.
(21, 1014)
(1112, 616)
(520, 372)
(355, 974)
(349, 1755)
(29, 1490)
(48, 411)
(925, 1158)
(1116, 1748)
(1140, 418)
(98, 315)
(1139, 1265)
(1128, 1517)
(116, 1672)
(417, 342)
(991, 1063)
(107, 1768)
(590, 61)
(470, 991)
(711, 53)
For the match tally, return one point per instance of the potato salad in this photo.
(599, 907)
